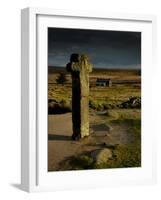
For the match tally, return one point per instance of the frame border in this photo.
(29, 168)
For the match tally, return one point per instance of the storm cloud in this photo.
(106, 49)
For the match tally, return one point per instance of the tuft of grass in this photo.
(134, 126)
(112, 114)
(101, 105)
(127, 155)
(123, 156)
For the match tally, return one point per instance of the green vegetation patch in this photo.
(82, 162)
(123, 155)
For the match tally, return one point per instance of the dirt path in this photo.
(61, 147)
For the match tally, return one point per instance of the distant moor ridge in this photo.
(116, 75)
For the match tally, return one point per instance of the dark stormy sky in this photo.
(106, 49)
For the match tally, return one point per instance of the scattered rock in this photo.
(101, 155)
(133, 102)
(55, 107)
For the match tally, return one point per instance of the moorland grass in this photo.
(124, 155)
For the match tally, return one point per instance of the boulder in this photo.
(133, 102)
(101, 155)
(58, 107)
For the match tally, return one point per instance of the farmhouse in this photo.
(103, 82)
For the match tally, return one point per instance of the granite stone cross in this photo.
(79, 67)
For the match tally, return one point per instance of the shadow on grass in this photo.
(59, 137)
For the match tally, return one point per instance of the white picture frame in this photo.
(34, 176)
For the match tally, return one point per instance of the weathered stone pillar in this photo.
(80, 67)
